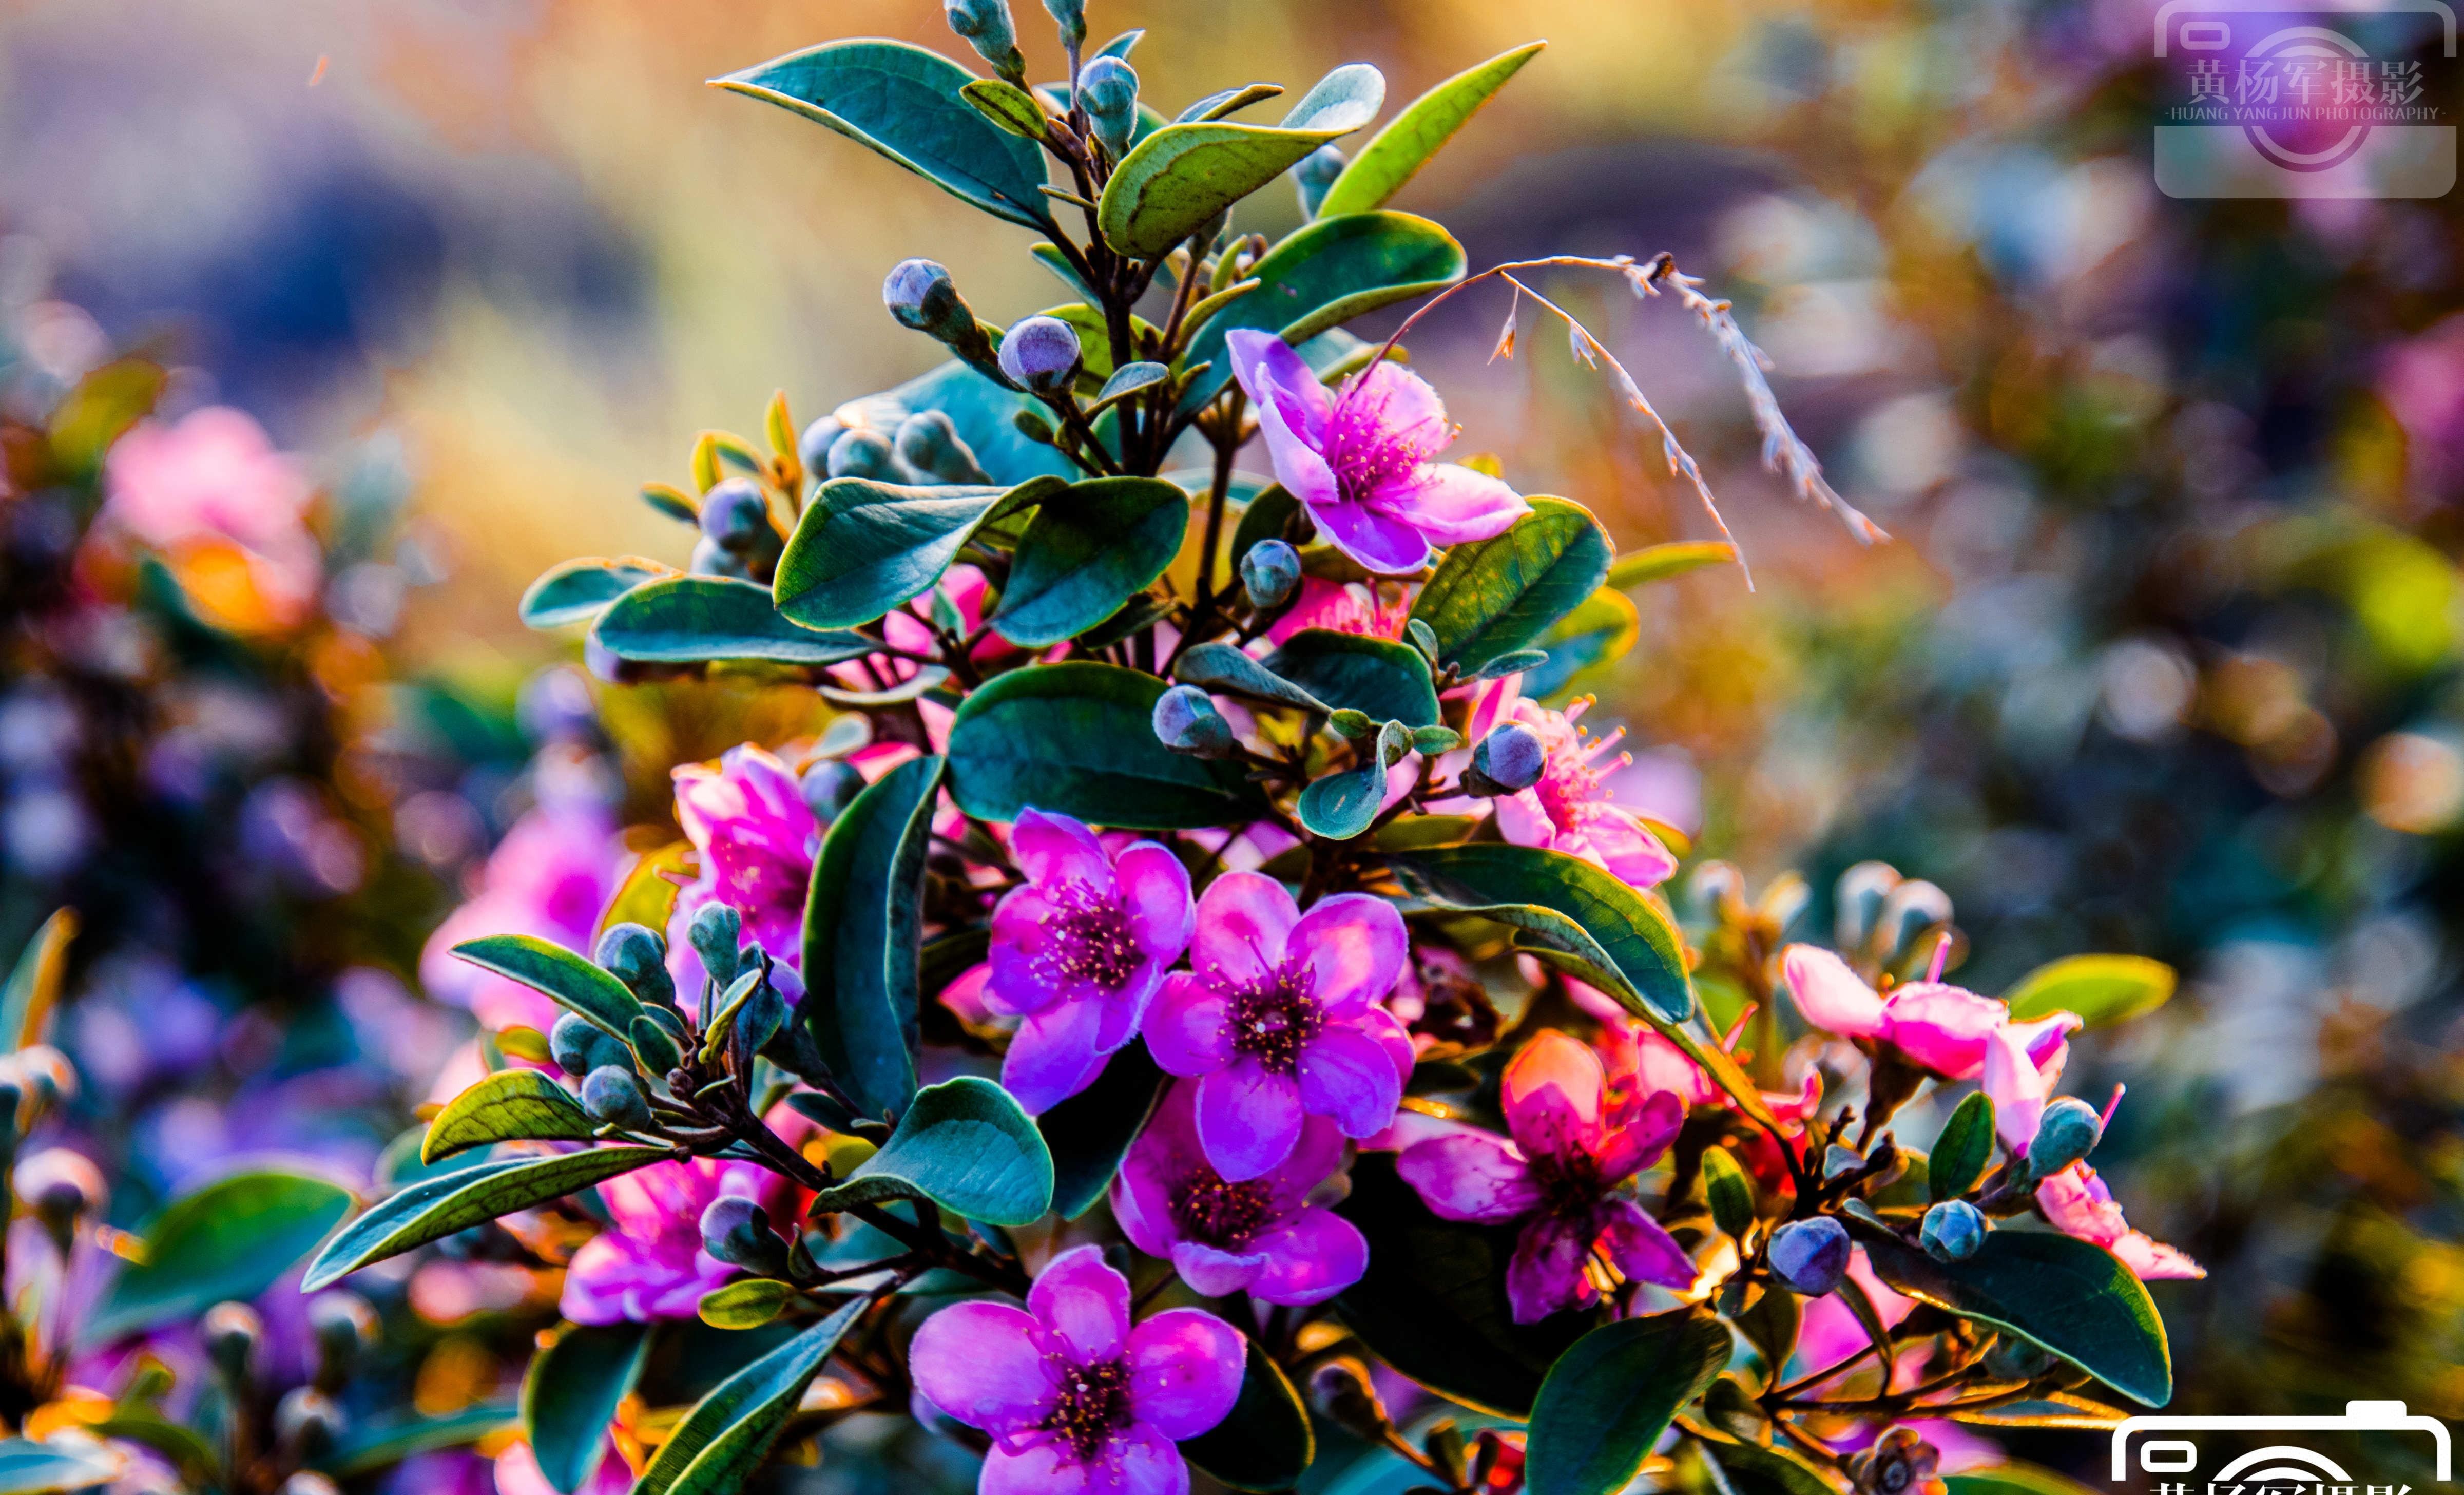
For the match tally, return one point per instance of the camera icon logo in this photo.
(2171, 1464)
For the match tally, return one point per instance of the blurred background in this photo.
(2162, 658)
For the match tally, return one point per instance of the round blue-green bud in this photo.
(1107, 90)
(738, 1233)
(579, 1046)
(987, 26)
(2067, 1131)
(718, 936)
(1269, 572)
(865, 453)
(921, 295)
(1040, 354)
(1508, 760)
(735, 516)
(1809, 1256)
(829, 787)
(1070, 15)
(635, 955)
(1953, 1231)
(1316, 174)
(710, 558)
(813, 447)
(929, 442)
(306, 1422)
(1186, 721)
(613, 1096)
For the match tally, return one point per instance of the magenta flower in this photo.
(1342, 607)
(214, 477)
(1076, 1400)
(2079, 1204)
(551, 876)
(1560, 1175)
(649, 1264)
(1941, 1027)
(1572, 808)
(1361, 459)
(754, 840)
(1078, 951)
(1263, 1235)
(1279, 1019)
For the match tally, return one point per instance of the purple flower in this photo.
(1361, 459)
(1279, 1018)
(1078, 951)
(649, 1263)
(1560, 1175)
(1264, 1234)
(550, 876)
(755, 839)
(1075, 1399)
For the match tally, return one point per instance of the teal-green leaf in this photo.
(692, 620)
(1388, 681)
(1088, 549)
(1729, 1191)
(984, 413)
(1755, 1470)
(1091, 1133)
(1962, 1150)
(233, 1238)
(570, 1394)
(575, 591)
(28, 1467)
(1646, 956)
(1493, 597)
(1612, 1395)
(966, 1146)
(2102, 989)
(1078, 737)
(903, 101)
(1322, 275)
(864, 931)
(2072, 1297)
(2013, 1478)
(863, 547)
(1229, 669)
(1264, 1443)
(508, 1106)
(728, 1433)
(1267, 516)
(439, 1206)
(575, 983)
(1597, 632)
(1341, 805)
(1177, 179)
(382, 1441)
(35, 981)
(1405, 144)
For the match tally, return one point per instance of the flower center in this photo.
(1568, 1183)
(1211, 1212)
(1272, 1024)
(1089, 940)
(1094, 1404)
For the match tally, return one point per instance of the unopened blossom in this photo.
(550, 877)
(1362, 460)
(1940, 1026)
(2079, 1204)
(755, 839)
(1261, 1235)
(1572, 808)
(1278, 1019)
(1078, 951)
(1560, 1176)
(648, 1264)
(214, 481)
(1077, 1401)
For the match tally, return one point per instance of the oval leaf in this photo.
(1732, 1194)
(1264, 1443)
(1341, 805)
(1388, 681)
(434, 1208)
(1644, 954)
(692, 620)
(1078, 737)
(1494, 597)
(728, 1433)
(570, 1394)
(749, 1303)
(1962, 1150)
(233, 1238)
(1396, 152)
(1753, 1470)
(1612, 1395)
(863, 547)
(1659, 562)
(577, 590)
(575, 983)
(507, 1106)
(1088, 549)
(2102, 989)
(966, 1146)
(1091, 1133)
(864, 935)
(1226, 667)
(1597, 632)
(2013, 1478)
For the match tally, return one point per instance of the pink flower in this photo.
(648, 1264)
(1939, 1026)
(1831, 1331)
(215, 475)
(1361, 460)
(755, 839)
(965, 588)
(1342, 607)
(1077, 1401)
(2079, 1204)
(1279, 1018)
(518, 1472)
(2019, 1080)
(1078, 951)
(1263, 1235)
(551, 876)
(1571, 809)
(1560, 1172)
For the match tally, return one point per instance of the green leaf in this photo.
(1321, 277)
(692, 620)
(570, 1394)
(2102, 989)
(1343, 804)
(1088, 549)
(1494, 597)
(964, 1145)
(575, 591)
(1962, 1150)
(1228, 669)
(863, 547)
(864, 934)
(1091, 1133)
(903, 101)
(1433, 1302)
(1078, 737)
(1264, 1443)
(2013, 1478)
(1396, 152)
(1752, 1470)
(2070, 1296)
(728, 1433)
(1612, 1395)
(381, 1442)
(1129, 378)
(34, 986)
(1388, 681)
(1659, 562)
(983, 412)
(1632, 942)
(749, 1303)
(575, 983)
(1732, 1194)
(1177, 179)
(1006, 104)
(434, 1208)
(1597, 632)
(233, 1238)
(1265, 516)
(507, 1106)
(28, 1467)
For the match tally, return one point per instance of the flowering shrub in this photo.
(1317, 960)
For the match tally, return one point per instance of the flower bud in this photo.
(929, 443)
(737, 1232)
(1342, 1391)
(1040, 354)
(635, 955)
(1953, 1231)
(579, 1046)
(1508, 760)
(1186, 721)
(1900, 1463)
(1070, 15)
(1107, 90)
(718, 936)
(2067, 1131)
(1269, 572)
(921, 295)
(60, 1187)
(612, 1096)
(306, 1422)
(231, 1331)
(710, 558)
(813, 447)
(346, 1327)
(867, 454)
(829, 787)
(735, 515)
(987, 26)
(1809, 1256)
(1316, 174)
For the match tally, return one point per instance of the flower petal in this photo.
(1083, 1302)
(1022, 924)
(1547, 1271)
(1552, 1095)
(1044, 1468)
(1450, 505)
(1942, 1026)
(980, 1363)
(1315, 1158)
(1154, 892)
(1187, 1027)
(1641, 1249)
(1272, 374)
(1144, 1463)
(1379, 542)
(2019, 1089)
(1470, 1175)
(1353, 946)
(1244, 920)
(1345, 1073)
(1055, 848)
(1185, 1369)
(1211, 1271)
(1310, 1259)
(1054, 1055)
(1832, 997)
(1647, 1133)
(1248, 1119)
